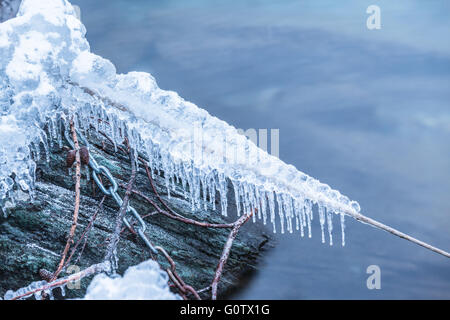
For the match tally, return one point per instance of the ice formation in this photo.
(24, 293)
(48, 75)
(146, 281)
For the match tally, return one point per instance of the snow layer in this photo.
(48, 74)
(145, 281)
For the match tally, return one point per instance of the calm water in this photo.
(367, 112)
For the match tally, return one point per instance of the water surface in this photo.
(367, 112)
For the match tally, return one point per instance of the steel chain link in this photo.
(112, 191)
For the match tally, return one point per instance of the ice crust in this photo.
(146, 281)
(48, 75)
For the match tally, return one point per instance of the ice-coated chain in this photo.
(112, 191)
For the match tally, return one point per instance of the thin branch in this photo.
(175, 278)
(94, 269)
(181, 218)
(122, 212)
(77, 201)
(226, 252)
(397, 233)
(149, 176)
(84, 235)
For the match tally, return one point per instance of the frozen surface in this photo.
(48, 75)
(145, 281)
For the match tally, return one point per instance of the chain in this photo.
(171, 270)
(112, 191)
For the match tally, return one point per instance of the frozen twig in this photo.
(77, 202)
(122, 212)
(149, 176)
(226, 252)
(175, 278)
(180, 217)
(397, 233)
(84, 235)
(94, 269)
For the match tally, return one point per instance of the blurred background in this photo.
(366, 111)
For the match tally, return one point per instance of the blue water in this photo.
(367, 112)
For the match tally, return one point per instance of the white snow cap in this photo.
(47, 72)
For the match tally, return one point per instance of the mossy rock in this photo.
(34, 235)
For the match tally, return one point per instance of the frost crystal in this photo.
(48, 75)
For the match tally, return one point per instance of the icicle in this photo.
(63, 291)
(271, 201)
(205, 192)
(253, 203)
(297, 219)
(183, 185)
(51, 132)
(263, 206)
(287, 203)
(213, 192)
(49, 293)
(244, 192)
(5, 213)
(258, 202)
(165, 168)
(302, 215)
(38, 295)
(197, 188)
(330, 226)
(322, 220)
(223, 194)
(309, 216)
(343, 228)
(237, 197)
(280, 212)
(114, 134)
(60, 140)
(298, 209)
(43, 139)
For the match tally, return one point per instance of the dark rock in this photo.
(34, 234)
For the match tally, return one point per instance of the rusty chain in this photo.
(112, 191)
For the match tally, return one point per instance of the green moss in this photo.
(27, 220)
(33, 263)
(4, 243)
